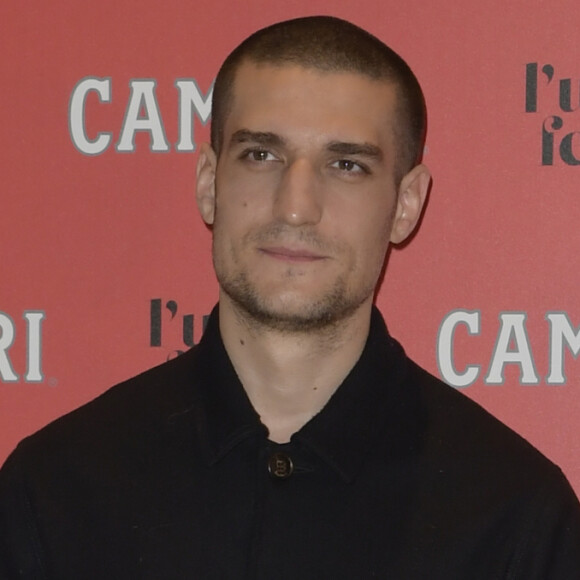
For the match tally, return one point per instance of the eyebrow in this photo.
(268, 139)
(259, 137)
(363, 149)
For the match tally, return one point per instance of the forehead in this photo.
(310, 104)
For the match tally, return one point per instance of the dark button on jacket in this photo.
(171, 475)
(280, 465)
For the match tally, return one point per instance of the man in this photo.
(296, 440)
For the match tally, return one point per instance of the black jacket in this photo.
(170, 475)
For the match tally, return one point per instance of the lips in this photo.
(291, 254)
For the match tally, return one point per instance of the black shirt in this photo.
(171, 475)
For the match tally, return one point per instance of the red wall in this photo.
(109, 245)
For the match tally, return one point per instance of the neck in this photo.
(290, 376)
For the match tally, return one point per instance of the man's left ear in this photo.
(411, 199)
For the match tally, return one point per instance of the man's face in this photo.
(303, 199)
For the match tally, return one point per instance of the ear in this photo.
(410, 201)
(205, 190)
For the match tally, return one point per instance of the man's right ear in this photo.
(205, 188)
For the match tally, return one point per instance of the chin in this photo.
(292, 311)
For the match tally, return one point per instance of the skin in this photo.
(303, 205)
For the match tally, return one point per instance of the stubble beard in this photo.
(323, 314)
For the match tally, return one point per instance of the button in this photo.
(280, 466)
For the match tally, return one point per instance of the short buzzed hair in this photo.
(329, 44)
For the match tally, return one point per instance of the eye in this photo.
(350, 166)
(258, 155)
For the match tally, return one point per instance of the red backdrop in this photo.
(105, 266)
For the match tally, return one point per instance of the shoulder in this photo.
(96, 462)
(454, 422)
(478, 472)
(470, 450)
(125, 414)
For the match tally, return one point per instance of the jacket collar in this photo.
(373, 400)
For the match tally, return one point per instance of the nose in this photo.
(298, 200)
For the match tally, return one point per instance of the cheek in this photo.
(369, 229)
(232, 209)
(373, 242)
(237, 216)
(240, 199)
